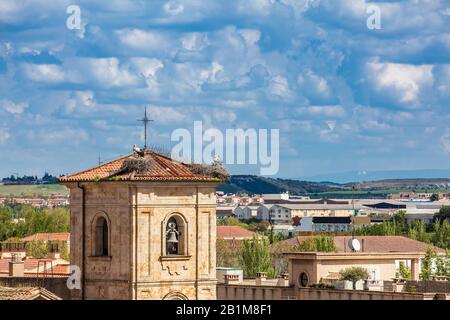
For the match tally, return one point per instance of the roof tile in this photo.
(162, 169)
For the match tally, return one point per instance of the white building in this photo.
(279, 214)
(263, 212)
(246, 212)
(276, 196)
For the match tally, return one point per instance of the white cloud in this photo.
(445, 142)
(323, 111)
(14, 108)
(279, 87)
(223, 116)
(48, 73)
(142, 39)
(4, 135)
(57, 136)
(314, 87)
(402, 82)
(173, 7)
(166, 114)
(194, 41)
(251, 36)
(147, 67)
(101, 124)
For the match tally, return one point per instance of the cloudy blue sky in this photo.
(344, 97)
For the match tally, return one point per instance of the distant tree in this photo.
(426, 271)
(354, 274)
(441, 235)
(417, 231)
(444, 213)
(279, 236)
(37, 249)
(256, 257)
(18, 220)
(260, 226)
(320, 243)
(232, 221)
(434, 197)
(6, 223)
(404, 271)
(441, 265)
(63, 250)
(390, 229)
(399, 221)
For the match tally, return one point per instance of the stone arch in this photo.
(175, 296)
(101, 234)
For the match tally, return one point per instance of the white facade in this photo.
(247, 212)
(263, 213)
(280, 214)
(276, 196)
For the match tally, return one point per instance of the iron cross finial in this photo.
(145, 120)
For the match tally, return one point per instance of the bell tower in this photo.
(143, 226)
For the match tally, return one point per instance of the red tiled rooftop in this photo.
(63, 236)
(31, 264)
(162, 169)
(378, 244)
(233, 232)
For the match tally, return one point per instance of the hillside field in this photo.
(35, 191)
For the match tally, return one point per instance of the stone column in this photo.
(415, 269)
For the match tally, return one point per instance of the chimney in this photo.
(283, 280)
(231, 278)
(260, 278)
(16, 266)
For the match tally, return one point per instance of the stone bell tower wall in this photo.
(137, 266)
(190, 275)
(105, 277)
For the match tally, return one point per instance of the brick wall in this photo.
(429, 286)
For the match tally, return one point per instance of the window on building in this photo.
(303, 279)
(101, 237)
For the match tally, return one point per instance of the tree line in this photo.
(436, 233)
(21, 220)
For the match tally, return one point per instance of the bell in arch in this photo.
(172, 237)
(172, 232)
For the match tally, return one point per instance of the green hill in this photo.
(258, 185)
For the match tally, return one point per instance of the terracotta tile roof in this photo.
(380, 244)
(26, 293)
(63, 236)
(29, 264)
(161, 168)
(230, 232)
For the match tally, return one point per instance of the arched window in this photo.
(175, 236)
(101, 237)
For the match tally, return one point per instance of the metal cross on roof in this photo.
(145, 120)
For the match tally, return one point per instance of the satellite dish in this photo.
(354, 244)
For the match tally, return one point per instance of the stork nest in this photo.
(139, 164)
(210, 171)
